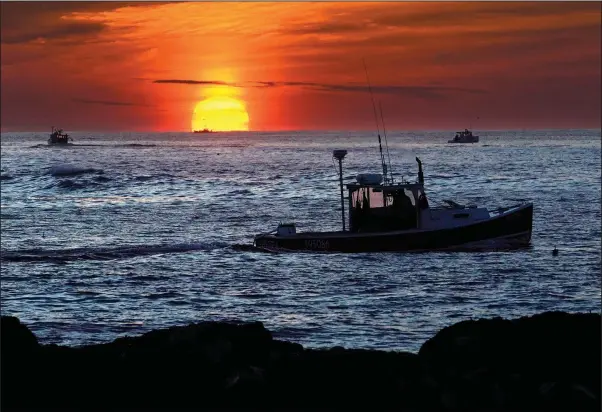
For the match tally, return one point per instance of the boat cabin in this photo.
(464, 137)
(374, 207)
(58, 137)
(378, 204)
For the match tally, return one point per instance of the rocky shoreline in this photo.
(549, 361)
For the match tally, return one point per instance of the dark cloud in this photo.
(23, 22)
(200, 82)
(429, 92)
(63, 31)
(477, 13)
(110, 103)
(520, 46)
(466, 14)
(28, 15)
(326, 28)
(516, 46)
(14, 13)
(262, 84)
(417, 91)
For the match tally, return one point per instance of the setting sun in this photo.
(220, 113)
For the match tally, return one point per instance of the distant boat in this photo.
(205, 130)
(57, 137)
(464, 137)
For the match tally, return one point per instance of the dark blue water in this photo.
(138, 231)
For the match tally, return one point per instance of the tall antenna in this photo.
(382, 119)
(382, 157)
(340, 155)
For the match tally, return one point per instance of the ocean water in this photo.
(123, 233)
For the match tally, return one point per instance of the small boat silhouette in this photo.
(57, 137)
(205, 130)
(464, 137)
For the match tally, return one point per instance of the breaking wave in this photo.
(70, 170)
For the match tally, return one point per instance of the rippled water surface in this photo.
(124, 233)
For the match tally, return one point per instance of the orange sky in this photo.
(145, 66)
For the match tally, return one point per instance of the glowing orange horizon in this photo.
(225, 66)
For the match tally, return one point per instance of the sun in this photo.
(220, 114)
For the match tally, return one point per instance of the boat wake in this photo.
(115, 253)
(133, 145)
(250, 248)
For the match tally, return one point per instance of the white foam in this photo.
(70, 170)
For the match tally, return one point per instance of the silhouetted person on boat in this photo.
(404, 200)
(356, 215)
(365, 203)
(405, 209)
(360, 212)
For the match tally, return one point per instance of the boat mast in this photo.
(340, 155)
(382, 157)
(382, 119)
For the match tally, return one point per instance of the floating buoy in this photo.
(555, 251)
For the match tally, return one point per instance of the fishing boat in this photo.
(385, 216)
(464, 137)
(57, 137)
(205, 130)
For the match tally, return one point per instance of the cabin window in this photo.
(367, 197)
(396, 197)
(376, 198)
(358, 198)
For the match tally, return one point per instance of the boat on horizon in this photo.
(57, 137)
(464, 137)
(205, 130)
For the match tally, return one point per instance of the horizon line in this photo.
(316, 130)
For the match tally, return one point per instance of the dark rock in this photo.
(549, 361)
(517, 358)
(19, 360)
(16, 336)
(346, 379)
